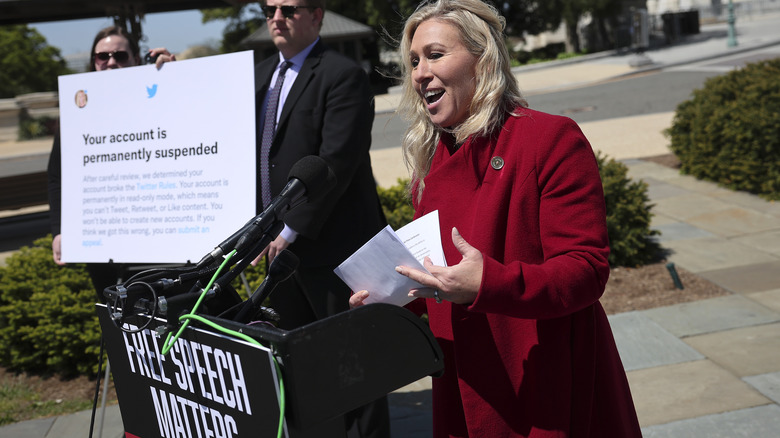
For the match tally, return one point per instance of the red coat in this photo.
(534, 355)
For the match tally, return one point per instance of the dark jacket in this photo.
(329, 112)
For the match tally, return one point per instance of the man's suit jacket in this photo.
(329, 112)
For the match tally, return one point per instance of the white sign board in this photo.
(158, 166)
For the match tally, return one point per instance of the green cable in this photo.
(168, 341)
(282, 400)
(189, 316)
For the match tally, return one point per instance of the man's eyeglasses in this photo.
(119, 56)
(287, 11)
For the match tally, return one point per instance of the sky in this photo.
(173, 30)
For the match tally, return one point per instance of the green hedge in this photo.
(48, 323)
(47, 314)
(32, 128)
(396, 204)
(628, 216)
(729, 131)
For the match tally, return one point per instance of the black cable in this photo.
(207, 272)
(149, 274)
(152, 314)
(247, 256)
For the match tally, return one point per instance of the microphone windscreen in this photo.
(315, 174)
(283, 266)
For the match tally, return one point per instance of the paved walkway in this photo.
(709, 368)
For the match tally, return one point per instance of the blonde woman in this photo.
(528, 348)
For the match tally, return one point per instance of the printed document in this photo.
(372, 267)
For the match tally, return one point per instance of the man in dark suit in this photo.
(325, 107)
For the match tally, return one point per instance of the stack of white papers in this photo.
(372, 267)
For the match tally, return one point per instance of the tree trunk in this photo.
(572, 37)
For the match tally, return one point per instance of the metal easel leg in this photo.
(104, 397)
(246, 284)
(107, 374)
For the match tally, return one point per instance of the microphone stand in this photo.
(181, 304)
(151, 299)
(250, 255)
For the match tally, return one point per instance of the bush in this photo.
(32, 128)
(628, 214)
(254, 277)
(549, 52)
(48, 322)
(396, 204)
(729, 131)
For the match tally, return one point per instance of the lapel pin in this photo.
(497, 162)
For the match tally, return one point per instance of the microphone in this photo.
(281, 268)
(225, 247)
(310, 178)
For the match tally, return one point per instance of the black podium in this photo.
(211, 384)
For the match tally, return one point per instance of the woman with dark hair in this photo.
(528, 348)
(113, 47)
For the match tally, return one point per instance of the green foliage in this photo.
(568, 55)
(542, 54)
(382, 15)
(48, 323)
(254, 276)
(27, 63)
(628, 216)
(530, 16)
(47, 314)
(242, 21)
(30, 128)
(396, 204)
(533, 17)
(729, 131)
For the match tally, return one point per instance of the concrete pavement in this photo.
(709, 368)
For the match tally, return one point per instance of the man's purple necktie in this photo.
(269, 129)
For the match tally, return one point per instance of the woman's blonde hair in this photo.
(497, 93)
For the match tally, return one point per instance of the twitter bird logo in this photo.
(151, 91)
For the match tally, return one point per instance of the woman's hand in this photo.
(163, 56)
(459, 283)
(356, 300)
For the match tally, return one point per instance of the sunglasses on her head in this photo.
(118, 55)
(287, 11)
